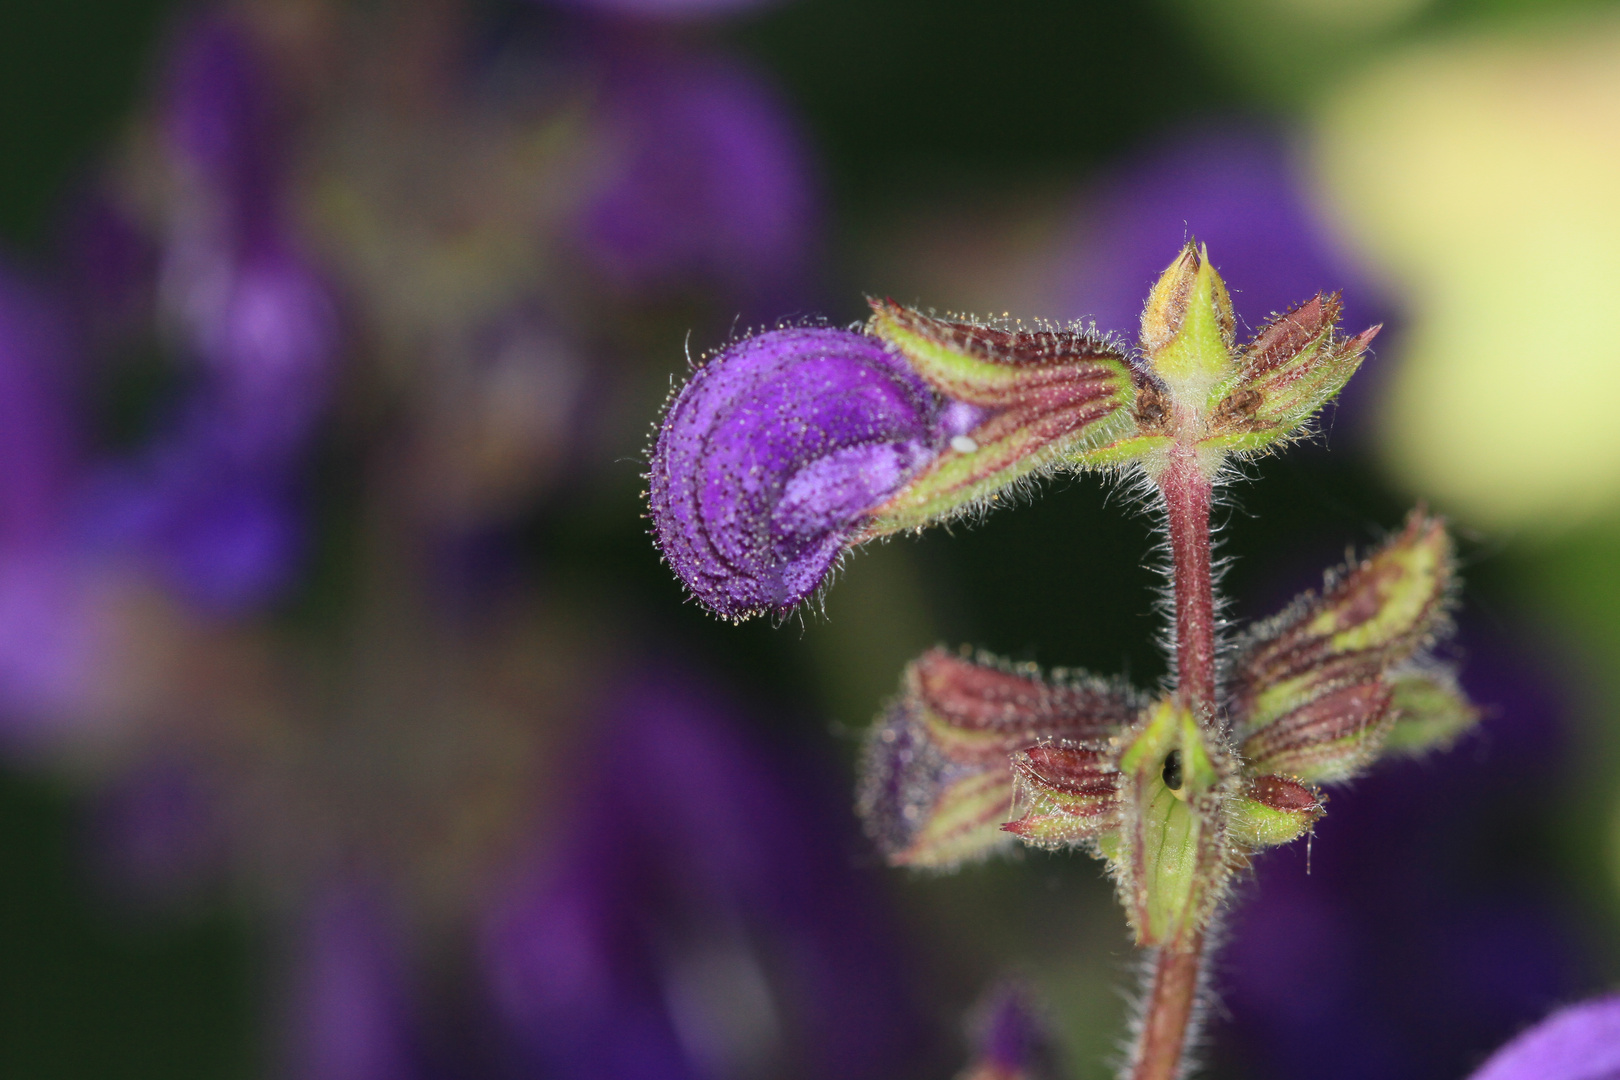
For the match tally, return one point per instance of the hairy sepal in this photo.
(937, 776)
(1429, 710)
(1064, 795)
(1292, 368)
(1049, 397)
(1369, 617)
(1272, 810)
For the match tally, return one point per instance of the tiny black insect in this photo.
(1172, 770)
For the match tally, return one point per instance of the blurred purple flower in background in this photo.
(374, 219)
(1581, 1042)
(214, 496)
(49, 647)
(700, 918)
(348, 998)
(706, 180)
(1011, 1040)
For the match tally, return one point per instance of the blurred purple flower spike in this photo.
(708, 180)
(214, 497)
(771, 455)
(1581, 1042)
(700, 922)
(39, 436)
(48, 629)
(349, 1017)
(218, 114)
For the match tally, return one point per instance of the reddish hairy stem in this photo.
(1169, 1012)
(1186, 493)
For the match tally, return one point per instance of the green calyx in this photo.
(1050, 397)
(1167, 858)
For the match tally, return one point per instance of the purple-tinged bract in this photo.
(770, 458)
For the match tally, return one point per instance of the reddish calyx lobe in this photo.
(1014, 709)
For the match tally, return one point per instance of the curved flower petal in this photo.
(771, 456)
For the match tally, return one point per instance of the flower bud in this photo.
(935, 782)
(1068, 794)
(1293, 367)
(1368, 618)
(787, 448)
(1272, 810)
(1166, 856)
(1188, 326)
(1043, 397)
(1429, 711)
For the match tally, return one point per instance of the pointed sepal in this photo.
(1295, 365)
(1370, 616)
(1272, 810)
(1188, 327)
(1331, 737)
(1064, 795)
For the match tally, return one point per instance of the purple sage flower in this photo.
(1581, 1042)
(706, 178)
(772, 454)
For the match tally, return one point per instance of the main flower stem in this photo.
(1186, 492)
(1167, 1017)
(1168, 1014)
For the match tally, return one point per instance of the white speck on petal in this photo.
(962, 444)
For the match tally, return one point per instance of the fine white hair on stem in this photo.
(1206, 1004)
